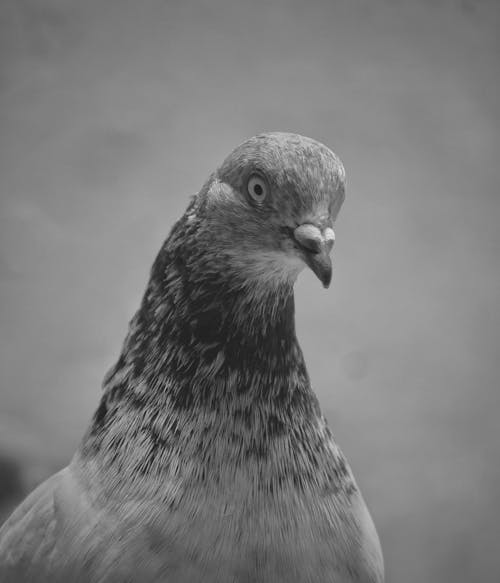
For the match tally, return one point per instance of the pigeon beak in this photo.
(316, 247)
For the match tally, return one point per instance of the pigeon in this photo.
(208, 458)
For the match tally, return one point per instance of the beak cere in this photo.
(316, 247)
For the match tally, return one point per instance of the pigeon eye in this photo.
(257, 188)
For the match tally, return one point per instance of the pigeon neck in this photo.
(203, 346)
(204, 337)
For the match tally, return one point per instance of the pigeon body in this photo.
(208, 459)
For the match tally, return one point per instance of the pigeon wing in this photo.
(58, 534)
(28, 539)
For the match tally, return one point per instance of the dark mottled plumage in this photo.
(208, 458)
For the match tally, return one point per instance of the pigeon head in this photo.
(271, 206)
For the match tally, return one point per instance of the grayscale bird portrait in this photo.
(249, 291)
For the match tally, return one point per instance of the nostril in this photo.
(309, 237)
(329, 238)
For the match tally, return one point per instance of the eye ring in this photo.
(257, 188)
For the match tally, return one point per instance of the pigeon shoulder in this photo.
(64, 532)
(28, 539)
(367, 559)
(48, 536)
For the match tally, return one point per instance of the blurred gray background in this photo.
(113, 112)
